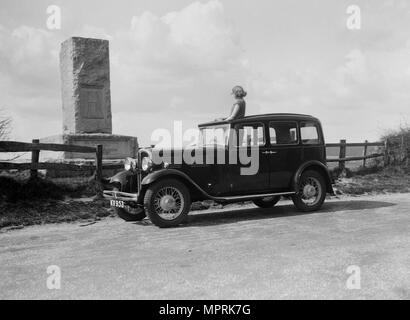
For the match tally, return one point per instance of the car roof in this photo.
(266, 116)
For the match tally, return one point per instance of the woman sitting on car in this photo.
(238, 108)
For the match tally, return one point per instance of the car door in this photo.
(249, 174)
(285, 154)
(210, 170)
(312, 141)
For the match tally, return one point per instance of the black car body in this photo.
(291, 155)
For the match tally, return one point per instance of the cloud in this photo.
(196, 38)
(28, 56)
(180, 64)
(183, 64)
(359, 98)
(194, 52)
(89, 31)
(29, 80)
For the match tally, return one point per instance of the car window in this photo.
(282, 132)
(309, 133)
(214, 135)
(251, 134)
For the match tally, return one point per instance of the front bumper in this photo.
(119, 195)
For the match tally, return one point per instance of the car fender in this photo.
(156, 175)
(314, 163)
(122, 177)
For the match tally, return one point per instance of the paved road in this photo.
(239, 253)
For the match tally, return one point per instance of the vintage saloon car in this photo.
(291, 162)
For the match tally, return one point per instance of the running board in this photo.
(125, 196)
(253, 196)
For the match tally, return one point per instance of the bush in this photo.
(25, 201)
(5, 126)
(398, 147)
(13, 190)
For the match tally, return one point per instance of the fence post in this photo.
(386, 152)
(365, 153)
(402, 154)
(35, 156)
(98, 170)
(406, 151)
(342, 155)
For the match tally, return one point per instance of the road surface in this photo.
(354, 248)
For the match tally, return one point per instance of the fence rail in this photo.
(356, 144)
(14, 146)
(35, 147)
(44, 166)
(370, 156)
(342, 159)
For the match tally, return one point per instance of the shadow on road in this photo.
(217, 217)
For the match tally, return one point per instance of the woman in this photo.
(238, 108)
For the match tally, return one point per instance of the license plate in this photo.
(117, 203)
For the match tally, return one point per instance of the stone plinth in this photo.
(85, 80)
(114, 146)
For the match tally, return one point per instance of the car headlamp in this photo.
(130, 164)
(146, 163)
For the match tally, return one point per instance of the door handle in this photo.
(269, 152)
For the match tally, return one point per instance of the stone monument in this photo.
(85, 80)
(86, 97)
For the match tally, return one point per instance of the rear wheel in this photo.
(311, 191)
(167, 203)
(130, 212)
(267, 202)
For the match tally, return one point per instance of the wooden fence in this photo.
(342, 152)
(35, 147)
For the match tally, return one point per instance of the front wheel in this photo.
(267, 202)
(167, 203)
(311, 192)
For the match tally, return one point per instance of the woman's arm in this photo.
(234, 113)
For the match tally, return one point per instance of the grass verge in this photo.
(31, 202)
(27, 213)
(387, 180)
(26, 202)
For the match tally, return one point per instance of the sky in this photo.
(178, 61)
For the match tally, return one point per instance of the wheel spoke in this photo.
(310, 191)
(168, 203)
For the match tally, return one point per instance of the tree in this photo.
(5, 126)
